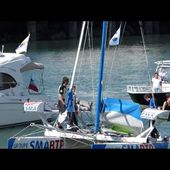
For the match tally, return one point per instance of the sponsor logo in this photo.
(138, 146)
(40, 144)
(31, 106)
(54, 144)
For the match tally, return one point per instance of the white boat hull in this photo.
(39, 142)
(51, 140)
(156, 145)
(72, 140)
(13, 114)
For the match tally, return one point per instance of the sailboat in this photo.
(101, 137)
(143, 140)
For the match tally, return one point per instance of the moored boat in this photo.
(21, 80)
(137, 92)
(103, 136)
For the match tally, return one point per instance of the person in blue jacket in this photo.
(152, 104)
(152, 101)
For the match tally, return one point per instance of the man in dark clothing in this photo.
(62, 91)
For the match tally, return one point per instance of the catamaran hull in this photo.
(39, 142)
(12, 114)
(73, 140)
(139, 98)
(66, 143)
(77, 144)
(42, 142)
(156, 145)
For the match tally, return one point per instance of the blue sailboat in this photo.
(115, 110)
(118, 110)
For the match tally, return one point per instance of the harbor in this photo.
(129, 66)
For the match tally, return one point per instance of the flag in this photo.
(23, 46)
(32, 86)
(115, 39)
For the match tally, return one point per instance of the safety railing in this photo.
(138, 88)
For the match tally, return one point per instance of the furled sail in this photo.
(123, 112)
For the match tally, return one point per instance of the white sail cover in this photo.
(23, 46)
(123, 112)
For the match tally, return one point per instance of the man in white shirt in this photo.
(156, 83)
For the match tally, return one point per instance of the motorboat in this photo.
(21, 80)
(137, 92)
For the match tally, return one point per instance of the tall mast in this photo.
(70, 94)
(100, 83)
(78, 51)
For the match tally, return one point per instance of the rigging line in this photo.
(146, 57)
(81, 58)
(91, 68)
(143, 41)
(123, 31)
(38, 131)
(92, 47)
(113, 59)
(21, 131)
(91, 34)
(109, 35)
(42, 81)
(87, 33)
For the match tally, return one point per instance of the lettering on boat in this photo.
(20, 145)
(40, 144)
(53, 144)
(33, 106)
(138, 146)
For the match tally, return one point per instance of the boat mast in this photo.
(78, 51)
(70, 94)
(98, 107)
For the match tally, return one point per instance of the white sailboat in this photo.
(102, 137)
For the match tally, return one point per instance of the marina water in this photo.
(128, 66)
